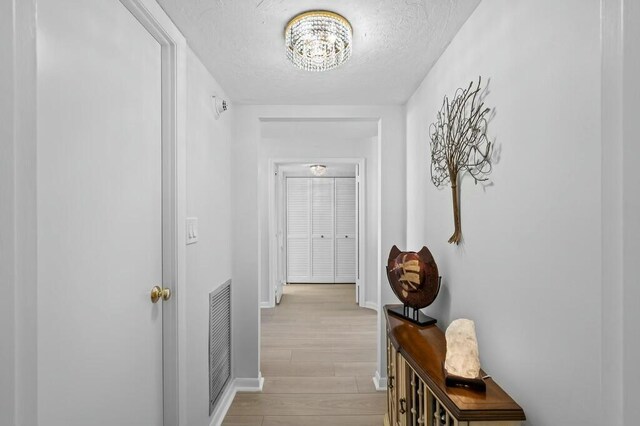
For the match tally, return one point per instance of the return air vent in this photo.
(219, 342)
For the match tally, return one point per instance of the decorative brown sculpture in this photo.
(414, 279)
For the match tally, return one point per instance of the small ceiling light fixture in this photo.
(318, 169)
(318, 40)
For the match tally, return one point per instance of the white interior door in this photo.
(322, 230)
(99, 216)
(298, 230)
(345, 235)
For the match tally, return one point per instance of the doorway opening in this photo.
(318, 341)
(321, 339)
(315, 224)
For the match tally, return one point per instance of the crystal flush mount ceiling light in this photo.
(318, 40)
(318, 169)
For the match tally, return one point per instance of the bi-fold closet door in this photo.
(321, 223)
(345, 230)
(298, 229)
(322, 235)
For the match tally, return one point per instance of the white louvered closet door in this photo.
(345, 226)
(322, 227)
(298, 230)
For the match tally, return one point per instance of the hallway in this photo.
(318, 357)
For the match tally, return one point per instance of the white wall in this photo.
(311, 147)
(246, 170)
(18, 314)
(209, 199)
(528, 271)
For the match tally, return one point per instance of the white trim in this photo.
(7, 216)
(241, 384)
(371, 305)
(380, 382)
(273, 239)
(381, 329)
(264, 305)
(249, 384)
(613, 89)
(25, 218)
(173, 48)
(223, 405)
(361, 237)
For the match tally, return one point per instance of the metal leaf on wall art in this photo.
(459, 145)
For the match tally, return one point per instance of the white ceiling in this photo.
(395, 43)
(318, 128)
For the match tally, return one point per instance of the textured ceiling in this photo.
(395, 43)
(318, 129)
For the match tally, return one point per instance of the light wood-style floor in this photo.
(318, 358)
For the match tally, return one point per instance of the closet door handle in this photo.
(158, 293)
(321, 236)
(346, 236)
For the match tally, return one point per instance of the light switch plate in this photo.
(192, 230)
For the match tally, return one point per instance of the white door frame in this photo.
(173, 81)
(274, 163)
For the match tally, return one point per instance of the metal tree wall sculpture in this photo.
(459, 145)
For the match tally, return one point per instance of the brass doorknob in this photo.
(157, 292)
(166, 294)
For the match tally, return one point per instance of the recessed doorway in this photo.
(323, 312)
(316, 224)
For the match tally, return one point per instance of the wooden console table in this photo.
(416, 393)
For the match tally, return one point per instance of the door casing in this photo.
(274, 238)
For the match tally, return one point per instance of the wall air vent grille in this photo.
(219, 342)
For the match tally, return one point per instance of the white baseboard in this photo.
(371, 305)
(223, 405)
(380, 382)
(266, 305)
(249, 384)
(240, 384)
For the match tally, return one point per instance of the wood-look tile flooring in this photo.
(318, 357)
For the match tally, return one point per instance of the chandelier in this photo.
(318, 169)
(318, 40)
